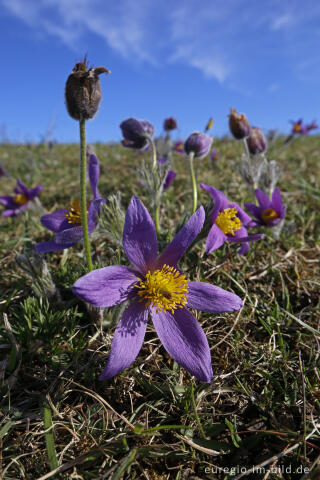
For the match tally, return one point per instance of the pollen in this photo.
(165, 289)
(228, 221)
(20, 199)
(73, 214)
(268, 215)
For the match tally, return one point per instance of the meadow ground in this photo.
(155, 421)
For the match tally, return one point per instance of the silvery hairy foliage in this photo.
(111, 219)
(36, 269)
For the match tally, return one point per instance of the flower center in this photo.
(165, 289)
(73, 214)
(228, 221)
(268, 215)
(20, 199)
(297, 128)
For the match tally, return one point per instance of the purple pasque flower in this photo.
(162, 160)
(19, 202)
(136, 133)
(179, 147)
(199, 144)
(171, 175)
(214, 155)
(229, 223)
(169, 124)
(268, 212)
(156, 287)
(238, 124)
(312, 126)
(66, 222)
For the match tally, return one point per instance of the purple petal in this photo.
(171, 175)
(262, 198)
(94, 174)
(69, 235)
(139, 236)
(21, 188)
(56, 221)
(7, 201)
(218, 197)
(127, 340)
(184, 339)
(189, 232)
(277, 203)
(106, 286)
(241, 236)
(243, 249)
(51, 246)
(11, 212)
(209, 298)
(254, 210)
(244, 217)
(215, 238)
(34, 192)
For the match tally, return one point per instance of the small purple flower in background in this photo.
(268, 212)
(66, 223)
(169, 124)
(19, 202)
(214, 155)
(199, 144)
(3, 173)
(162, 160)
(179, 147)
(298, 128)
(171, 175)
(155, 286)
(312, 126)
(238, 124)
(136, 133)
(229, 223)
(256, 141)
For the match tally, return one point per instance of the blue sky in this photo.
(190, 59)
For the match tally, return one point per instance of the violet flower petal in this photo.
(34, 192)
(106, 286)
(218, 197)
(243, 249)
(94, 174)
(56, 221)
(139, 236)
(21, 188)
(184, 339)
(244, 217)
(171, 175)
(262, 198)
(277, 203)
(127, 340)
(189, 232)
(52, 246)
(215, 238)
(209, 298)
(7, 201)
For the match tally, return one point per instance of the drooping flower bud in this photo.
(83, 92)
(199, 143)
(136, 133)
(169, 124)
(238, 124)
(256, 141)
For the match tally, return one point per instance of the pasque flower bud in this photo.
(256, 141)
(136, 133)
(199, 143)
(83, 92)
(238, 124)
(169, 124)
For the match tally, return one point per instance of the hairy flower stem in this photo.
(194, 183)
(83, 202)
(246, 149)
(157, 197)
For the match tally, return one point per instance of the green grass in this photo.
(155, 421)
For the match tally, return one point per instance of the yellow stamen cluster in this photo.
(165, 289)
(74, 213)
(268, 215)
(297, 127)
(228, 221)
(20, 199)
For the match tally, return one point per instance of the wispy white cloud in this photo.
(224, 39)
